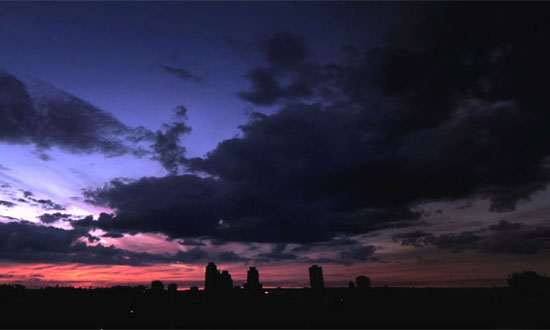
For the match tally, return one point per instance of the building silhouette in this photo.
(157, 286)
(253, 280)
(362, 282)
(214, 281)
(225, 281)
(172, 288)
(316, 277)
(157, 289)
(211, 277)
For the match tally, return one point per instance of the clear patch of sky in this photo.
(110, 53)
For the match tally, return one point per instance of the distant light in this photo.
(223, 224)
(131, 311)
(266, 292)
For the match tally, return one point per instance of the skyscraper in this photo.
(157, 286)
(362, 282)
(172, 288)
(316, 277)
(214, 281)
(211, 278)
(253, 280)
(225, 281)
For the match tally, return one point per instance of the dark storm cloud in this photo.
(46, 117)
(53, 217)
(454, 242)
(358, 254)
(47, 204)
(7, 203)
(230, 256)
(451, 106)
(327, 245)
(285, 55)
(347, 256)
(277, 253)
(415, 238)
(16, 110)
(190, 256)
(87, 222)
(501, 238)
(183, 206)
(113, 235)
(27, 242)
(11, 218)
(344, 254)
(188, 206)
(339, 242)
(444, 97)
(167, 147)
(181, 73)
(457, 242)
(191, 242)
(42, 155)
(515, 238)
(54, 118)
(504, 225)
(266, 90)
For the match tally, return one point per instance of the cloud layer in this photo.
(28, 242)
(436, 113)
(54, 118)
(452, 105)
(502, 238)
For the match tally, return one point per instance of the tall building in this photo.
(157, 286)
(214, 281)
(316, 277)
(211, 277)
(225, 281)
(157, 289)
(172, 288)
(362, 282)
(253, 280)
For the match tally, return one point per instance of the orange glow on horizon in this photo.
(287, 275)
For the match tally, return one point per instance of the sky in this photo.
(402, 141)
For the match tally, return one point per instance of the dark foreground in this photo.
(137, 307)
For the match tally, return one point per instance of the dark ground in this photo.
(137, 307)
